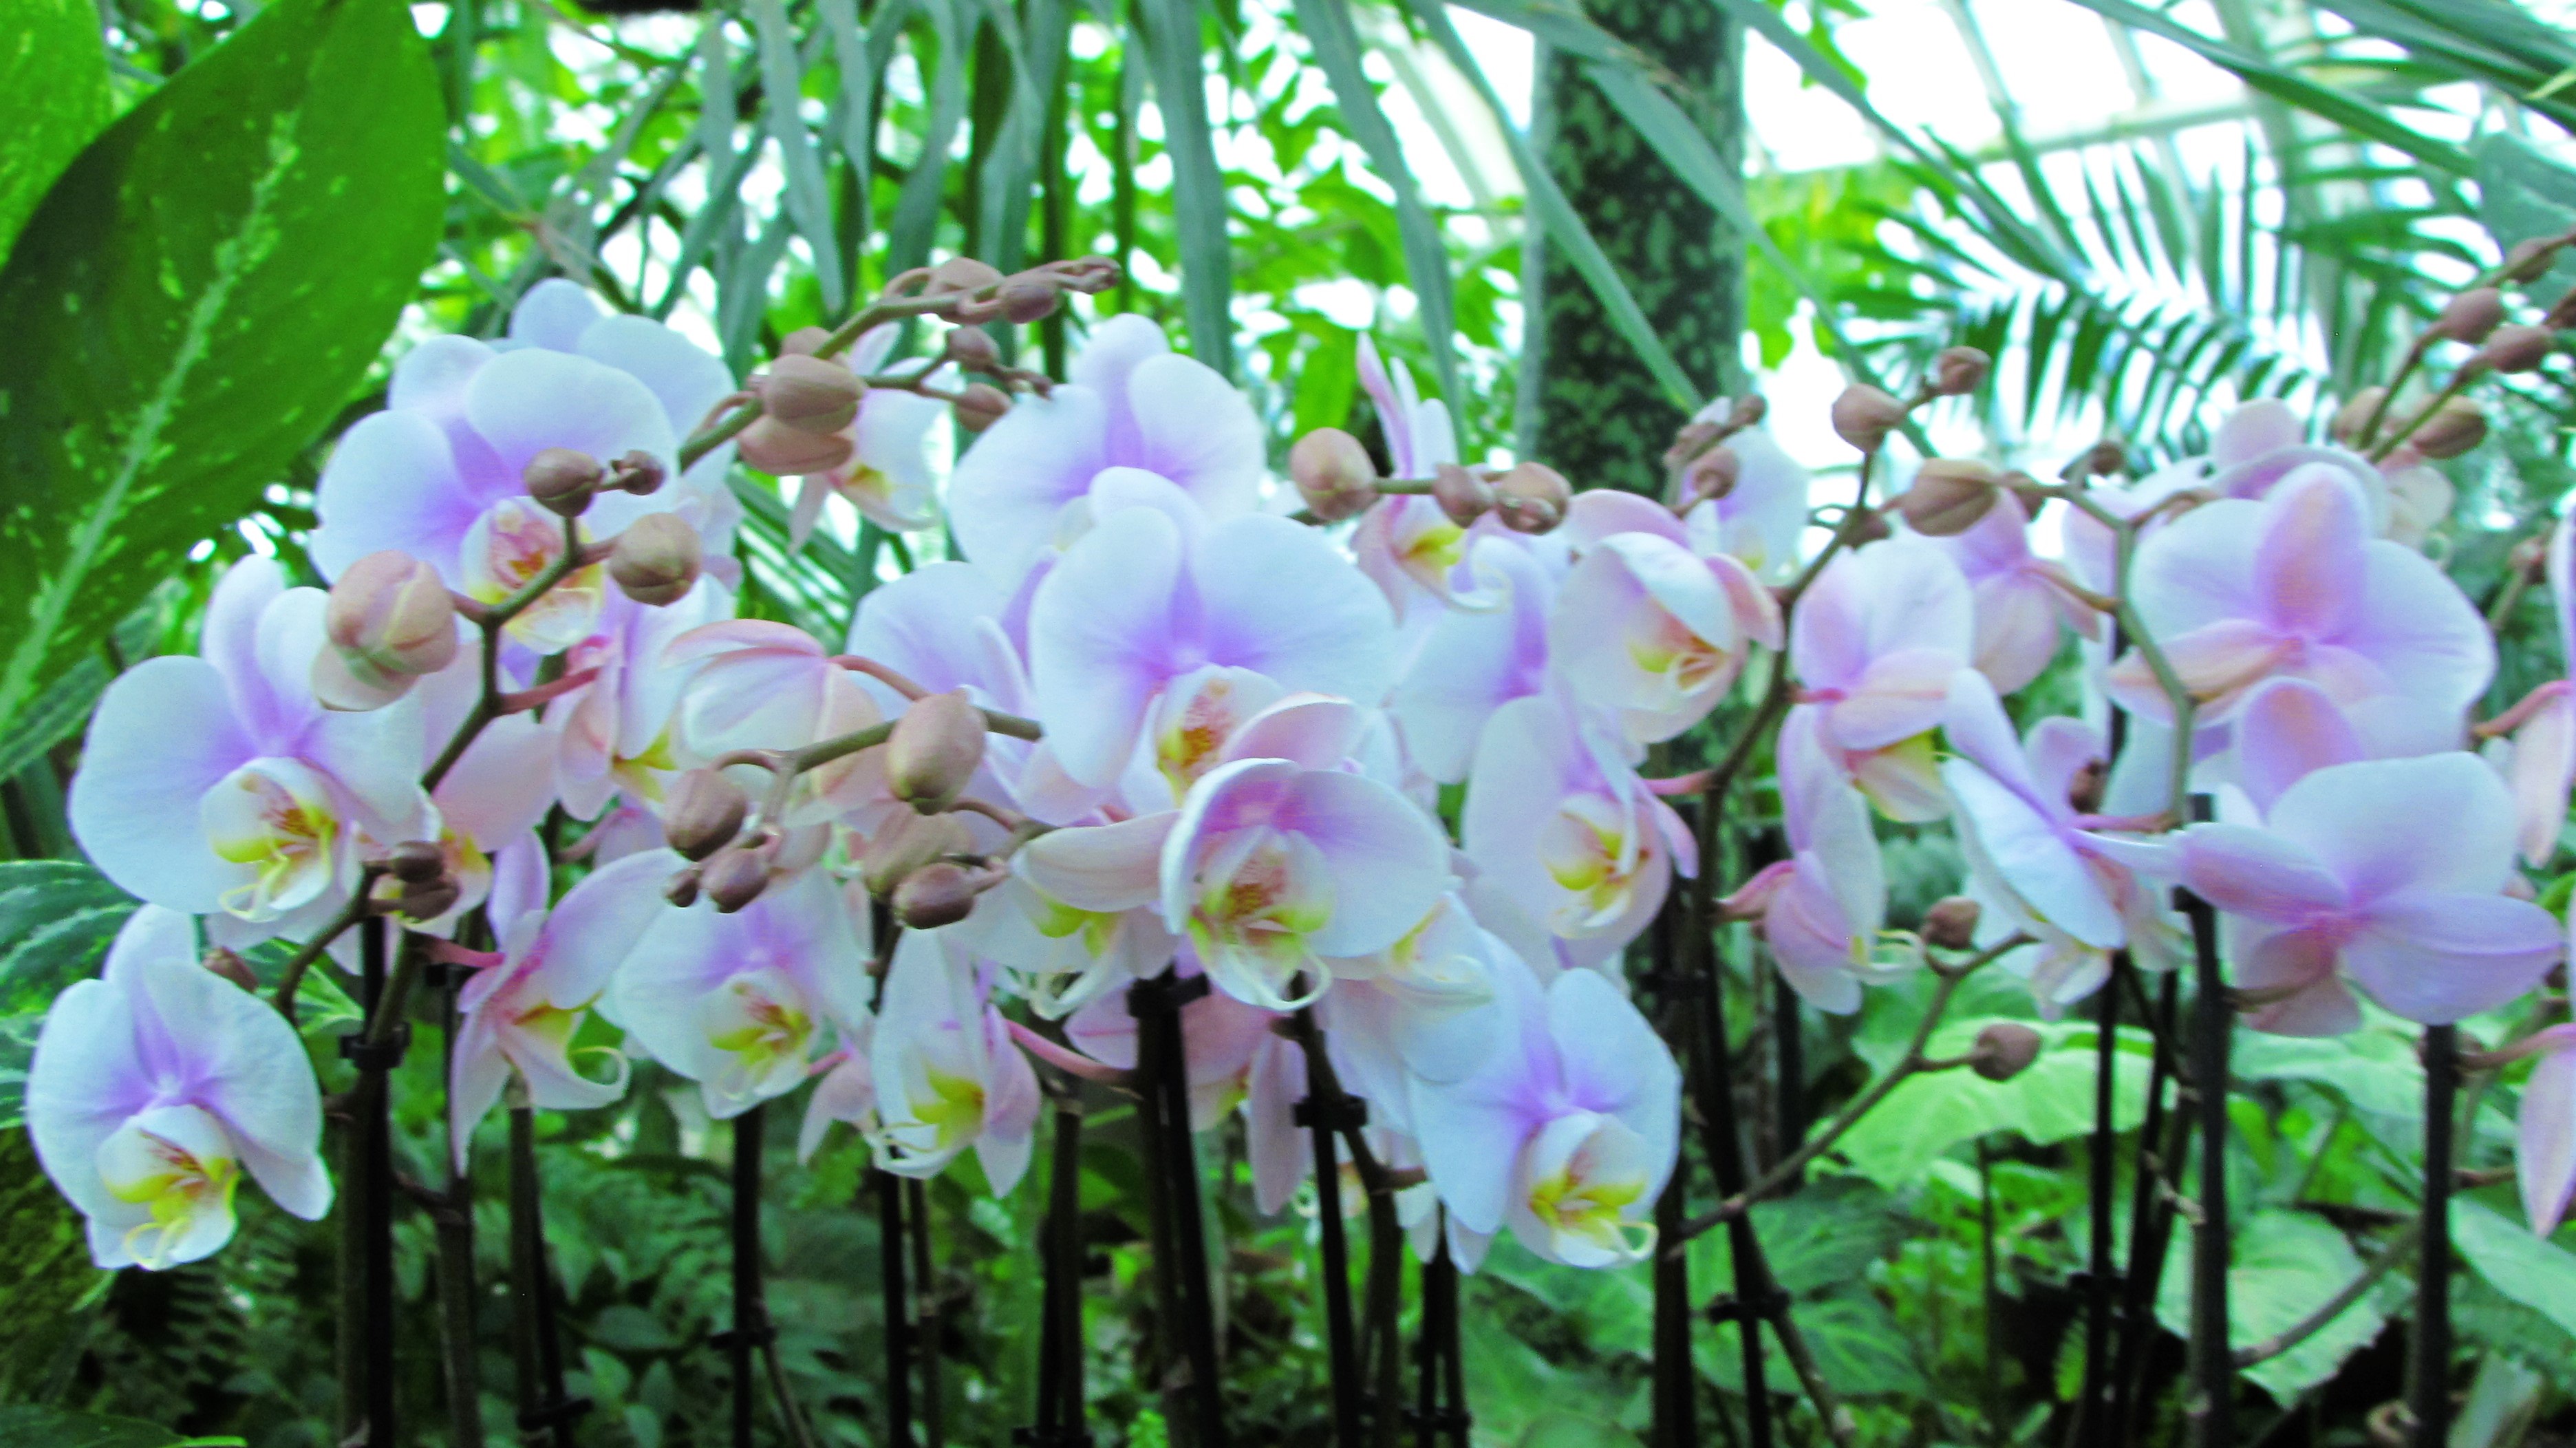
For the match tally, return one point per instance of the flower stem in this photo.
(750, 1322)
(1342, 1350)
(2100, 1278)
(925, 1296)
(2150, 1218)
(1163, 1064)
(2429, 1365)
(454, 1217)
(897, 1308)
(2211, 1403)
(373, 1218)
(1060, 1405)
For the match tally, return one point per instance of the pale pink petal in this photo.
(1828, 637)
(1901, 694)
(1474, 662)
(526, 401)
(2545, 1134)
(1974, 723)
(2034, 857)
(1388, 862)
(1100, 641)
(1100, 867)
(133, 803)
(2290, 728)
(1006, 492)
(392, 482)
(2017, 628)
(1281, 1155)
(1312, 730)
(1597, 514)
(2417, 627)
(1812, 940)
(687, 379)
(2440, 958)
(2308, 565)
(2544, 766)
(2251, 872)
(1193, 427)
(1280, 599)
(553, 313)
(2253, 429)
(2216, 663)
(597, 925)
(2436, 823)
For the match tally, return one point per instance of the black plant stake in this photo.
(2100, 1278)
(1188, 1311)
(2211, 1405)
(374, 1049)
(897, 1306)
(925, 1296)
(2429, 1372)
(544, 1412)
(1676, 1396)
(1440, 1410)
(1060, 1393)
(453, 1212)
(750, 1330)
(1317, 1114)
(2167, 1135)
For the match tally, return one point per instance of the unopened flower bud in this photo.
(934, 750)
(562, 480)
(805, 342)
(682, 888)
(1949, 495)
(980, 406)
(389, 621)
(1026, 299)
(2530, 558)
(1863, 416)
(2348, 419)
(735, 875)
(2028, 491)
(2004, 1050)
(972, 348)
(1957, 371)
(416, 862)
(1712, 474)
(1870, 527)
(2516, 347)
(2562, 314)
(1532, 498)
(939, 893)
(231, 967)
(428, 902)
(961, 274)
(2459, 426)
(2470, 316)
(1951, 923)
(638, 472)
(905, 843)
(809, 395)
(1462, 495)
(1748, 411)
(783, 451)
(655, 561)
(2529, 260)
(703, 813)
(1333, 474)
(2084, 792)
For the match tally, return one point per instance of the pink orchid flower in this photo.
(1558, 824)
(2017, 822)
(156, 1086)
(1823, 907)
(518, 1013)
(755, 684)
(1566, 1130)
(947, 1074)
(742, 1003)
(847, 1093)
(1875, 644)
(1762, 518)
(1474, 661)
(1129, 404)
(2545, 1135)
(888, 475)
(613, 734)
(2385, 874)
(1138, 603)
(1646, 629)
(2023, 602)
(1407, 544)
(216, 784)
(2238, 592)
(2540, 760)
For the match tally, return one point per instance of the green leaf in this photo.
(1170, 29)
(2536, 1273)
(45, 1271)
(2374, 1069)
(27, 1426)
(195, 299)
(2052, 1101)
(56, 919)
(808, 201)
(53, 98)
(2285, 1265)
(2522, 194)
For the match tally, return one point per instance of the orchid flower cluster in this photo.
(1386, 756)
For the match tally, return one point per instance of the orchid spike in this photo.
(887, 478)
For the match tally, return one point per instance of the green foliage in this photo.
(55, 76)
(56, 919)
(196, 297)
(32, 1427)
(2285, 1265)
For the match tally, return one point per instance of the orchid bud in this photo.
(1749, 410)
(939, 893)
(429, 901)
(972, 348)
(1691, 441)
(389, 621)
(1713, 474)
(805, 342)
(934, 750)
(961, 274)
(905, 843)
(1869, 526)
(682, 888)
(1026, 299)
(1958, 371)
(416, 862)
(637, 472)
(2084, 792)
(562, 480)
(2516, 347)
(2562, 314)
(1462, 496)
(785, 451)
(980, 406)
(655, 561)
(2348, 419)
(2004, 1050)
(1949, 495)
(734, 876)
(2457, 427)
(2469, 317)
(1333, 474)
(1532, 498)
(1951, 923)
(2529, 260)
(703, 813)
(1863, 416)
(2028, 491)
(2530, 558)
(222, 962)
(809, 395)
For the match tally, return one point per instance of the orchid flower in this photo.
(888, 475)
(1558, 822)
(1823, 907)
(1761, 518)
(2238, 592)
(217, 784)
(2545, 1135)
(742, 1003)
(519, 1011)
(156, 1086)
(1129, 404)
(946, 1072)
(1566, 1130)
(1646, 629)
(1139, 603)
(1406, 543)
(760, 685)
(613, 734)
(2022, 601)
(2540, 759)
(847, 1092)
(1410, 1010)
(2385, 874)
(1875, 643)
(1473, 662)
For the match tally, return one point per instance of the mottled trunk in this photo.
(1589, 407)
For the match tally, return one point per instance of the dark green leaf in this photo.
(53, 98)
(26, 1426)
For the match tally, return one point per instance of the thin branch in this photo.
(2335, 1306)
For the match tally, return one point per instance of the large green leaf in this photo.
(27, 1426)
(53, 98)
(2536, 1273)
(2051, 1101)
(1171, 33)
(2285, 1265)
(45, 1272)
(195, 299)
(56, 918)
(2522, 194)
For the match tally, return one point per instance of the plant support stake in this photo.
(2211, 1403)
(2429, 1372)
